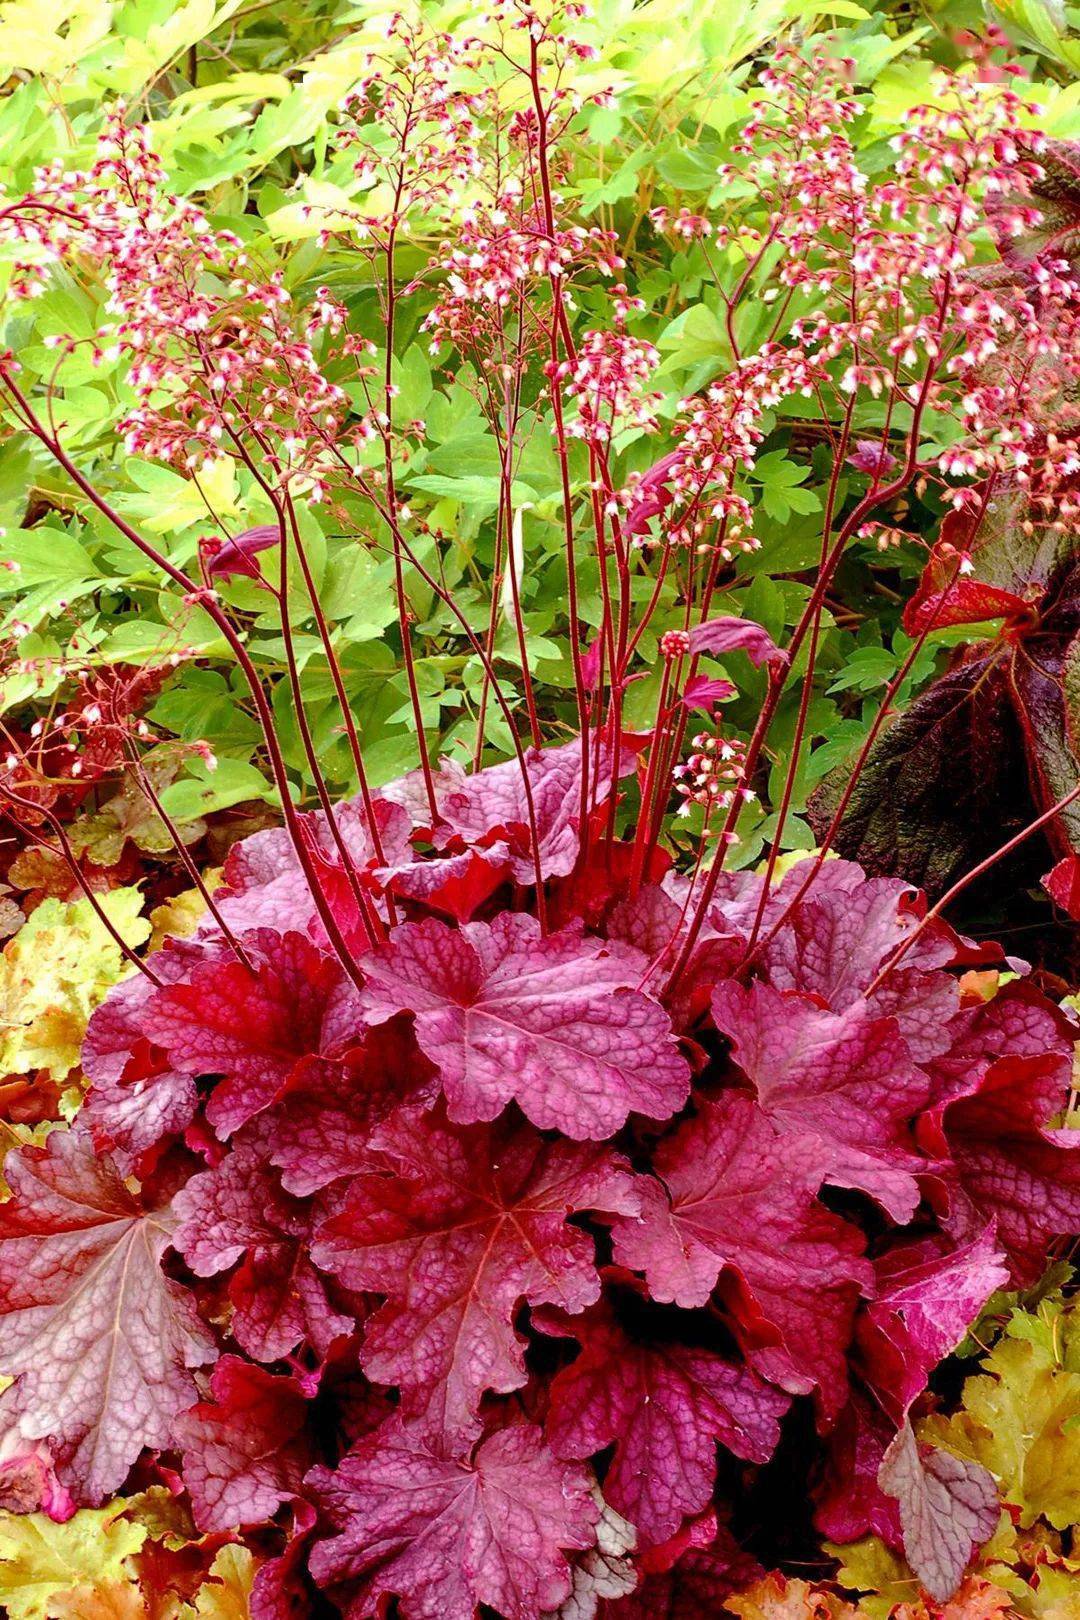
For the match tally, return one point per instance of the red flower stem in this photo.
(236, 647)
(374, 931)
(391, 501)
(850, 785)
(147, 787)
(69, 856)
(339, 688)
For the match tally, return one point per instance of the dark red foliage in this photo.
(505, 1265)
(996, 739)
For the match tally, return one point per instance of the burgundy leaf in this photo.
(948, 1508)
(944, 785)
(446, 1532)
(848, 1501)
(508, 1015)
(233, 559)
(928, 1295)
(1063, 886)
(665, 1405)
(319, 1131)
(842, 1084)
(736, 635)
(251, 1029)
(245, 1452)
(238, 1212)
(1009, 1166)
(705, 692)
(458, 1227)
(737, 1201)
(98, 1339)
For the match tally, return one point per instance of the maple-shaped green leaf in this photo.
(40, 1559)
(1019, 1420)
(54, 972)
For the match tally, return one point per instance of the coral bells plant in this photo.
(500, 1200)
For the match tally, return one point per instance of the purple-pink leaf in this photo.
(705, 692)
(235, 559)
(507, 1015)
(842, 1083)
(727, 634)
(444, 1532)
(99, 1341)
(238, 1212)
(489, 809)
(737, 1205)
(948, 1508)
(457, 1226)
(245, 1451)
(665, 1405)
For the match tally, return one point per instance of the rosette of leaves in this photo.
(496, 1280)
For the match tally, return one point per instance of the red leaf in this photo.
(948, 1507)
(238, 1212)
(458, 1228)
(445, 1533)
(736, 635)
(98, 1340)
(1012, 1169)
(737, 1200)
(1063, 886)
(839, 1084)
(507, 1015)
(319, 1131)
(665, 1405)
(689, 1577)
(946, 596)
(250, 1029)
(928, 1296)
(245, 1452)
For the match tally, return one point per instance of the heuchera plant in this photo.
(483, 1208)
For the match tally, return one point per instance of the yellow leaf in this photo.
(225, 1595)
(1019, 1420)
(112, 1600)
(869, 1567)
(179, 917)
(54, 972)
(40, 1559)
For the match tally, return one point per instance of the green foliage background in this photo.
(240, 97)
